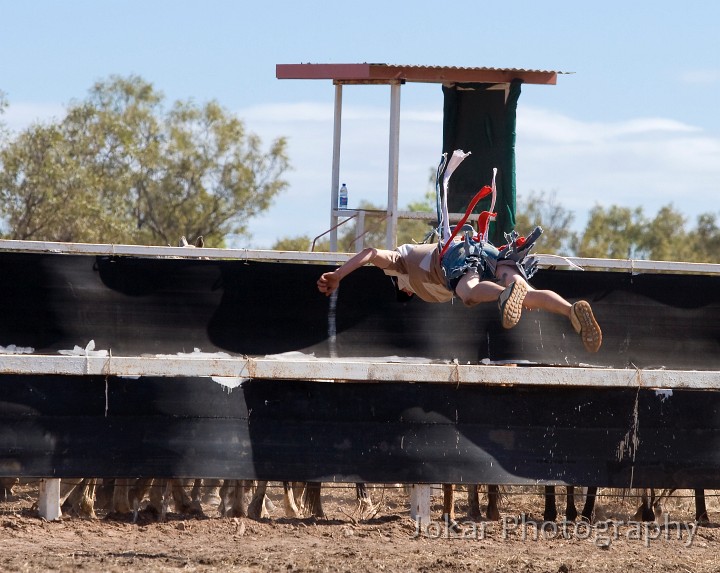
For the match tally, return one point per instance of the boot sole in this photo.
(511, 308)
(586, 326)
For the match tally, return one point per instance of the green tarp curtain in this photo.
(481, 120)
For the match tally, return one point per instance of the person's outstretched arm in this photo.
(329, 282)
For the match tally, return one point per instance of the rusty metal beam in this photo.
(385, 73)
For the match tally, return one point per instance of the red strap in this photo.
(483, 224)
(484, 192)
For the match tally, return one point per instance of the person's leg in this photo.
(548, 300)
(472, 290)
(580, 313)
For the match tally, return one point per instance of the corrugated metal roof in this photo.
(388, 73)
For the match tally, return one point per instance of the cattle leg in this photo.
(67, 487)
(306, 496)
(448, 514)
(701, 514)
(103, 493)
(313, 503)
(645, 511)
(154, 490)
(493, 495)
(364, 504)
(80, 499)
(571, 513)
(156, 495)
(224, 494)
(183, 503)
(449, 507)
(6, 487)
(232, 498)
(141, 489)
(289, 502)
(589, 507)
(299, 489)
(211, 487)
(121, 496)
(195, 505)
(550, 511)
(657, 506)
(474, 502)
(212, 491)
(197, 485)
(87, 499)
(256, 508)
(650, 516)
(167, 495)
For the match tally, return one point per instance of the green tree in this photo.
(621, 232)
(665, 238)
(703, 242)
(544, 210)
(120, 167)
(301, 243)
(615, 233)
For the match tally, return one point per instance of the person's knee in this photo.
(463, 289)
(506, 275)
(505, 279)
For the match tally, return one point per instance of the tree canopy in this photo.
(121, 167)
(621, 232)
(539, 209)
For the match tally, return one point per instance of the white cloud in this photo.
(545, 126)
(701, 76)
(642, 162)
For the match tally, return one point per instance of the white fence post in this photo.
(420, 495)
(49, 499)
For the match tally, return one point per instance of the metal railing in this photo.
(361, 214)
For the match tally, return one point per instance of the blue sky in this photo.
(635, 124)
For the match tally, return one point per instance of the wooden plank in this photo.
(153, 251)
(232, 372)
(633, 266)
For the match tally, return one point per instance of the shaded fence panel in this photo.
(135, 306)
(384, 432)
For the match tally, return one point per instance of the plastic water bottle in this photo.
(343, 197)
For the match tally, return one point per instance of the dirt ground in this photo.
(389, 541)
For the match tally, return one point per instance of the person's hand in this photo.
(328, 283)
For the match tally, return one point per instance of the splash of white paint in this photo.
(230, 382)
(663, 394)
(12, 349)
